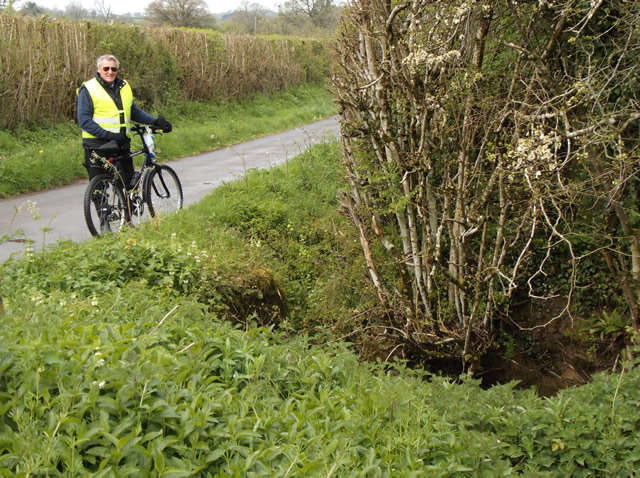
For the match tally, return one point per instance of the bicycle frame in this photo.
(111, 161)
(156, 187)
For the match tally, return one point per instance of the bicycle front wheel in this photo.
(104, 206)
(162, 190)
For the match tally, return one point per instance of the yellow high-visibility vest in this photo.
(105, 112)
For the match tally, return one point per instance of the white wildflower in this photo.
(535, 152)
(33, 209)
(37, 299)
(421, 58)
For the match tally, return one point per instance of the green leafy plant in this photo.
(608, 324)
(116, 358)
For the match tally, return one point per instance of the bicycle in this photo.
(109, 206)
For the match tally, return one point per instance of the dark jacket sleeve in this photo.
(85, 114)
(140, 116)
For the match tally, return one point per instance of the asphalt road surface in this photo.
(61, 212)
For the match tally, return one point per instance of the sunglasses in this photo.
(107, 68)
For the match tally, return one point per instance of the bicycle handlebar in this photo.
(140, 129)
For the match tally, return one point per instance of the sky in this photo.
(132, 6)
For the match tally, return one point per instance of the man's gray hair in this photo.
(108, 58)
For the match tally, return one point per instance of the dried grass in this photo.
(45, 60)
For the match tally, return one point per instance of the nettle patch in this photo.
(116, 359)
(169, 268)
(133, 383)
(104, 389)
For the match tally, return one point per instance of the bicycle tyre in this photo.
(104, 206)
(162, 190)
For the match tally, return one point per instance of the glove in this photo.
(119, 138)
(163, 124)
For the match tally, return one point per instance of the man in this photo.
(105, 110)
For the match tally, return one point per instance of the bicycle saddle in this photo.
(110, 147)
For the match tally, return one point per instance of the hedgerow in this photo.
(45, 60)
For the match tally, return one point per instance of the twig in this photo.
(391, 353)
(369, 85)
(163, 319)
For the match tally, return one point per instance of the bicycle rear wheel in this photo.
(162, 190)
(104, 206)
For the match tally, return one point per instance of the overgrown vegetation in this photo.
(45, 60)
(214, 342)
(492, 149)
(116, 358)
(45, 156)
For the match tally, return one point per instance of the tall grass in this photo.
(52, 155)
(44, 61)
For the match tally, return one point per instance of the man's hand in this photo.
(119, 138)
(164, 124)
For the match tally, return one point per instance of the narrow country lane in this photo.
(60, 210)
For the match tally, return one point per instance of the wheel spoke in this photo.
(104, 206)
(163, 191)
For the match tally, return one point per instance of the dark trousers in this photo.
(94, 165)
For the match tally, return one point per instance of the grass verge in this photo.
(48, 156)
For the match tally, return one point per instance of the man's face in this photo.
(108, 71)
